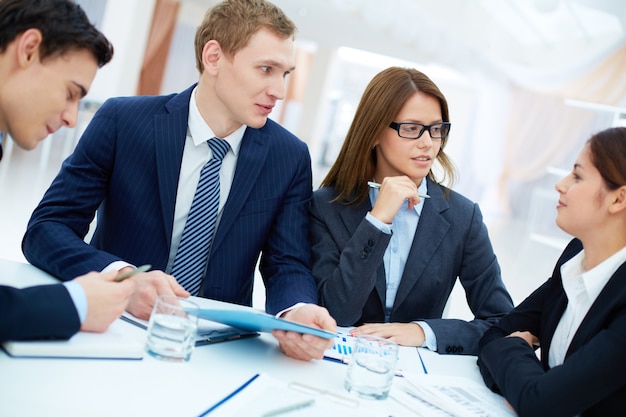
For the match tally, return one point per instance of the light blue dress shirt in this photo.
(78, 297)
(402, 230)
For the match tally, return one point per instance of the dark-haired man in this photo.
(49, 55)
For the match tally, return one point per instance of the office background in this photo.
(527, 82)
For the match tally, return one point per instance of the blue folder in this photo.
(256, 321)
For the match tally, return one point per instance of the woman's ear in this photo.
(27, 47)
(619, 200)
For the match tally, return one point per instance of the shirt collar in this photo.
(596, 278)
(201, 132)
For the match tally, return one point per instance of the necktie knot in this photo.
(219, 147)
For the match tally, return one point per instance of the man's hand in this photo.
(405, 334)
(306, 346)
(149, 285)
(106, 299)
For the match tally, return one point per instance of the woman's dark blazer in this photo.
(592, 379)
(451, 241)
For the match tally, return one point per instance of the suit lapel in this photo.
(352, 218)
(251, 158)
(431, 230)
(170, 132)
(597, 314)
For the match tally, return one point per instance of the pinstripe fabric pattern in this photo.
(127, 165)
(195, 243)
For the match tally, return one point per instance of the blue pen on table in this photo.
(231, 395)
(421, 360)
(373, 184)
(128, 274)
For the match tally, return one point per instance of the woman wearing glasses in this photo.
(388, 239)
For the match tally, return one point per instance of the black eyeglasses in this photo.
(415, 130)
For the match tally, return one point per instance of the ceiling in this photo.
(529, 41)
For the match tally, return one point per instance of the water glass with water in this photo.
(172, 328)
(372, 367)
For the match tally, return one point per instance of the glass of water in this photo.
(372, 367)
(172, 328)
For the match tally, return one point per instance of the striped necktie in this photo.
(193, 250)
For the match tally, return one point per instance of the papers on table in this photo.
(408, 357)
(264, 396)
(120, 341)
(208, 331)
(435, 396)
(220, 321)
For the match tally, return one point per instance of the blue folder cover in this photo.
(257, 321)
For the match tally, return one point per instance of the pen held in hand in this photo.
(128, 274)
(373, 184)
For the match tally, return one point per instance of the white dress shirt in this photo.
(195, 155)
(582, 288)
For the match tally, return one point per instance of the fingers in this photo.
(306, 347)
(176, 287)
(149, 285)
(393, 192)
(406, 334)
(301, 347)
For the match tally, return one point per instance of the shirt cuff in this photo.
(430, 340)
(78, 297)
(116, 266)
(280, 313)
(382, 226)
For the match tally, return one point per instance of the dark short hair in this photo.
(63, 24)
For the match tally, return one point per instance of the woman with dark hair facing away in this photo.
(578, 317)
(388, 239)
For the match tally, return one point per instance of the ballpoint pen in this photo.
(373, 184)
(128, 274)
(290, 407)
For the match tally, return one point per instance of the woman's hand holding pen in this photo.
(392, 193)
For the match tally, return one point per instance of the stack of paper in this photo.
(448, 396)
(120, 341)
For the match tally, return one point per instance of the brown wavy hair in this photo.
(380, 104)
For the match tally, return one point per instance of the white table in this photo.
(149, 387)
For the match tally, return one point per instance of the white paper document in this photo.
(409, 358)
(431, 395)
(265, 396)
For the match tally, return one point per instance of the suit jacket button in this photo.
(367, 249)
(370, 243)
(363, 255)
(448, 349)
